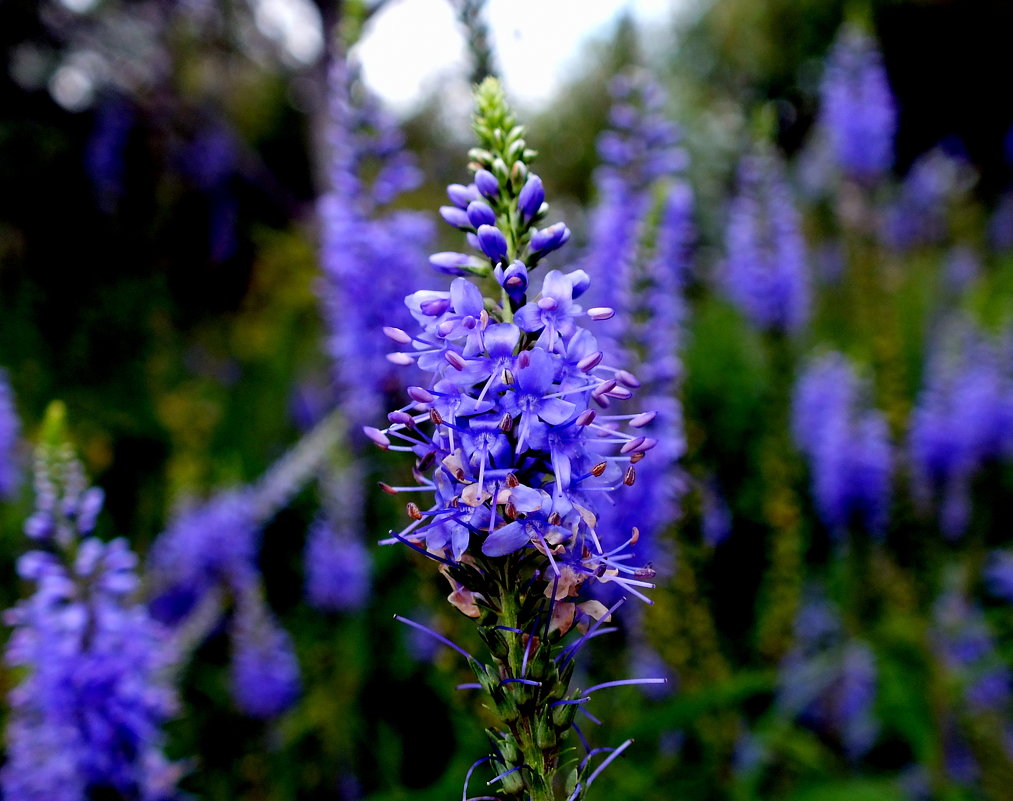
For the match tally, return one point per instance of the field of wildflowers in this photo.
(337, 463)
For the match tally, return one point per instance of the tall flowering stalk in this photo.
(828, 680)
(10, 431)
(962, 421)
(94, 689)
(517, 463)
(368, 169)
(766, 272)
(846, 444)
(858, 111)
(640, 242)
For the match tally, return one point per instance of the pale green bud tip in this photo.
(54, 425)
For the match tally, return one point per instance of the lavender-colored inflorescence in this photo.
(965, 646)
(846, 444)
(264, 672)
(208, 553)
(10, 433)
(643, 272)
(828, 681)
(368, 253)
(337, 560)
(765, 273)
(999, 575)
(86, 715)
(516, 456)
(920, 214)
(207, 546)
(858, 112)
(963, 419)
(640, 149)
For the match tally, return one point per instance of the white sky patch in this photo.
(294, 24)
(412, 44)
(407, 47)
(79, 6)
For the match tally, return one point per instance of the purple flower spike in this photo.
(264, 670)
(858, 113)
(450, 263)
(513, 469)
(368, 168)
(9, 433)
(487, 183)
(492, 242)
(90, 665)
(532, 197)
(479, 213)
(847, 445)
(766, 272)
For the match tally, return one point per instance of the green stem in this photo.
(540, 762)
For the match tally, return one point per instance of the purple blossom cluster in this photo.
(517, 445)
(963, 420)
(369, 168)
(640, 150)
(920, 214)
(766, 273)
(337, 561)
(206, 547)
(857, 111)
(828, 680)
(643, 271)
(207, 555)
(966, 648)
(846, 444)
(10, 433)
(264, 671)
(86, 715)
(516, 457)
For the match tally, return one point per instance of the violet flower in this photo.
(642, 162)
(337, 561)
(264, 672)
(369, 168)
(10, 434)
(858, 111)
(963, 419)
(846, 444)
(92, 695)
(515, 460)
(828, 681)
(766, 271)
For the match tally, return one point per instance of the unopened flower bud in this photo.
(531, 197)
(486, 183)
(450, 263)
(456, 217)
(479, 213)
(492, 242)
